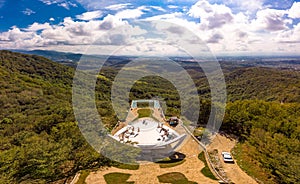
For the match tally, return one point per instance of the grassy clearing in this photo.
(206, 171)
(174, 178)
(117, 178)
(170, 163)
(83, 175)
(126, 166)
(144, 113)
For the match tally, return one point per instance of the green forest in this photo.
(41, 143)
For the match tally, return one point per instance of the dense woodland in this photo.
(269, 134)
(41, 143)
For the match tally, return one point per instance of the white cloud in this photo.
(67, 5)
(63, 3)
(240, 31)
(294, 12)
(215, 38)
(158, 8)
(72, 33)
(290, 36)
(109, 22)
(226, 28)
(99, 4)
(271, 20)
(211, 16)
(15, 34)
(172, 6)
(130, 13)
(117, 6)
(89, 15)
(36, 27)
(48, 2)
(169, 16)
(28, 11)
(248, 7)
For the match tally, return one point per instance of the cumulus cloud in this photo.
(110, 22)
(248, 7)
(233, 26)
(175, 30)
(89, 15)
(290, 36)
(215, 38)
(18, 39)
(241, 34)
(294, 11)
(218, 20)
(130, 13)
(36, 27)
(211, 16)
(15, 34)
(271, 20)
(109, 32)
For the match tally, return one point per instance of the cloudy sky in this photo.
(226, 27)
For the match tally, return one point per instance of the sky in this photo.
(231, 27)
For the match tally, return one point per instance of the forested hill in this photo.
(40, 141)
(32, 82)
(36, 67)
(263, 83)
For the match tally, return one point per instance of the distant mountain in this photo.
(65, 58)
(282, 62)
(72, 59)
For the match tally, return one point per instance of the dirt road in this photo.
(233, 171)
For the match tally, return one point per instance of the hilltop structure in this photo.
(152, 134)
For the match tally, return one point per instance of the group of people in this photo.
(130, 131)
(145, 122)
(165, 131)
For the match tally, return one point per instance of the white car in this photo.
(227, 157)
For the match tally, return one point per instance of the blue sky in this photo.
(227, 27)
